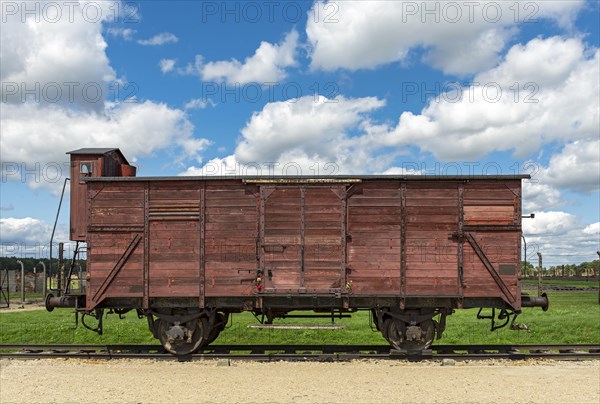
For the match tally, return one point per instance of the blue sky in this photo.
(189, 88)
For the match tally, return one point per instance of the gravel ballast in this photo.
(368, 381)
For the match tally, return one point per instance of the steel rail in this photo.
(305, 352)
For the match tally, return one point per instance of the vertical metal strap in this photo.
(302, 225)
(261, 232)
(202, 291)
(403, 221)
(343, 252)
(461, 240)
(517, 222)
(90, 247)
(518, 208)
(146, 292)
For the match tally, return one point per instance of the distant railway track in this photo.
(560, 288)
(305, 352)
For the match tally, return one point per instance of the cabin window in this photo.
(85, 168)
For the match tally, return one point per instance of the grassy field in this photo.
(590, 283)
(16, 297)
(574, 317)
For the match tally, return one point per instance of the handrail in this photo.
(55, 222)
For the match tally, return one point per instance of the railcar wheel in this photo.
(182, 339)
(219, 326)
(386, 326)
(410, 338)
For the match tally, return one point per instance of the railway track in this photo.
(305, 352)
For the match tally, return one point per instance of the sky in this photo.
(301, 87)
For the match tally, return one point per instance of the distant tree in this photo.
(527, 268)
(11, 263)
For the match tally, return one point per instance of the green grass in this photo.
(15, 298)
(574, 317)
(592, 282)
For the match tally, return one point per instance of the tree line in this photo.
(11, 263)
(583, 269)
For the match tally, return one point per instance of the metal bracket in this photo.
(98, 316)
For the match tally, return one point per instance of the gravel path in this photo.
(30, 304)
(146, 381)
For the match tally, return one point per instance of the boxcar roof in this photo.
(93, 150)
(99, 151)
(324, 178)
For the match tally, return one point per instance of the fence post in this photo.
(45, 278)
(22, 283)
(539, 273)
(598, 252)
(59, 270)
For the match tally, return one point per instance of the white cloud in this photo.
(119, 32)
(401, 171)
(193, 147)
(159, 39)
(166, 65)
(27, 237)
(267, 65)
(592, 229)
(198, 103)
(323, 136)
(538, 197)
(567, 101)
(139, 129)
(561, 238)
(576, 167)
(25, 230)
(36, 132)
(460, 37)
(315, 126)
(547, 62)
(557, 99)
(553, 223)
(220, 166)
(55, 58)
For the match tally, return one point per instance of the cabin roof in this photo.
(100, 151)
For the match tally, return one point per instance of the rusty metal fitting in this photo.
(53, 302)
(539, 301)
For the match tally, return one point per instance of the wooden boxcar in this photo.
(188, 251)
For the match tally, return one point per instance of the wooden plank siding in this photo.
(373, 240)
(301, 238)
(115, 217)
(432, 212)
(231, 231)
(488, 204)
(377, 237)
